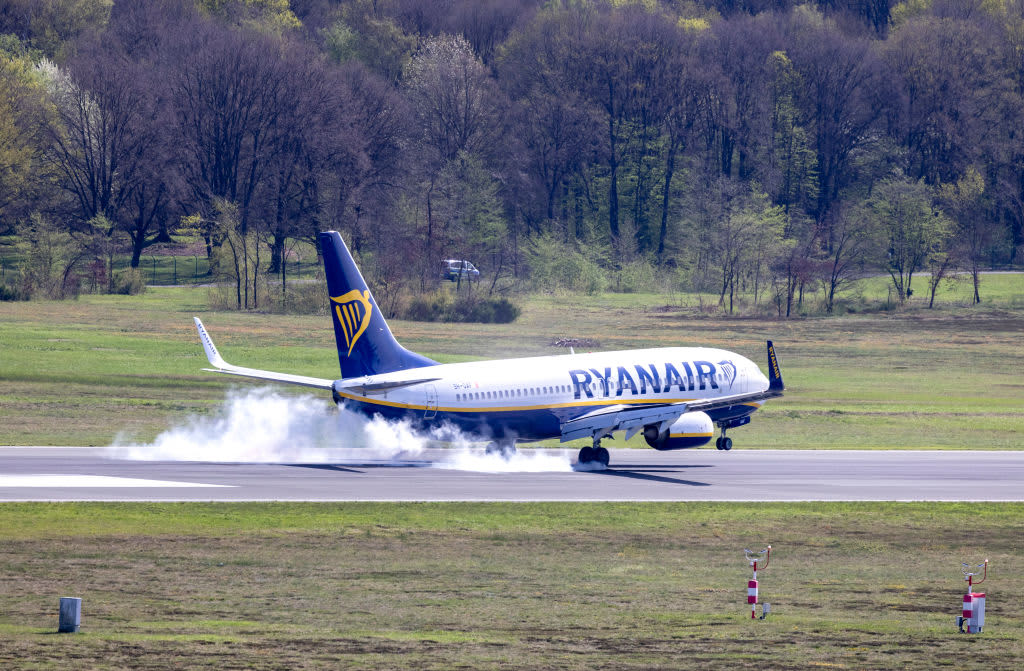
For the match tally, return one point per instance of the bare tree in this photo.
(843, 262)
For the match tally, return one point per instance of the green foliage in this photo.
(50, 257)
(341, 42)
(486, 310)
(909, 229)
(439, 306)
(373, 39)
(558, 266)
(9, 293)
(638, 276)
(794, 165)
(23, 111)
(52, 24)
(430, 307)
(129, 282)
(472, 209)
(271, 16)
(909, 9)
(300, 298)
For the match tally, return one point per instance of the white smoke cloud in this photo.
(260, 425)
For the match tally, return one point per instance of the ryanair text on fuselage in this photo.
(695, 375)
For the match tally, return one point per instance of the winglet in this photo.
(211, 350)
(774, 374)
(221, 366)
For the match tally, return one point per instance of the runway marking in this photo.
(47, 480)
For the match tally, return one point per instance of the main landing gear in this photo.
(723, 443)
(595, 454)
(503, 448)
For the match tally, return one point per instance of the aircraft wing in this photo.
(221, 366)
(364, 386)
(632, 419)
(626, 418)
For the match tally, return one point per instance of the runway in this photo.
(90, 474)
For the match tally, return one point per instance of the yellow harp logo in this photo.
(353, 311)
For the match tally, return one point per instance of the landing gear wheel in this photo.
(718, 443)
(586, 455)
(601, 455)
(727, 444)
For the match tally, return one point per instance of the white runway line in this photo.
(46, 480)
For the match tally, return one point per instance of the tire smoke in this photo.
(261, 425)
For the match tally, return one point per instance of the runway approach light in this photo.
(70, 615)
(973, 616)
(753, 559)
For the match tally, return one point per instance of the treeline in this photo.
(768, 148)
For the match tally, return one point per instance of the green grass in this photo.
(494, 586)
(84, 371)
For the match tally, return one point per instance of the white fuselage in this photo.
(525, 394)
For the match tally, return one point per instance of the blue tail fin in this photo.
(365, 343)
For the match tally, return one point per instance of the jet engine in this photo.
(692, 429)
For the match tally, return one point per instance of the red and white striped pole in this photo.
(973, 614)
(753, 558)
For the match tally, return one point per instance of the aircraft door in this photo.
(431, 408)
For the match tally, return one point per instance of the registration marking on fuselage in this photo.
(66, 480)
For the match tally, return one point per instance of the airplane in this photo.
(674, 395)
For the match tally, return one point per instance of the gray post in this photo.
(70, 615)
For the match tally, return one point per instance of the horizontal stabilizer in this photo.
(221, 366)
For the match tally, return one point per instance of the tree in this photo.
(908, 228)
(364, 34)
(555, 127)
(975, 232)
(457, 110)
(742, 233)
(270, 16)
(23, 117)
(951, 107)
(792, 165)
(102, 136)
(843, 95)
(454, 97)
(230, 91)
(50, 25)
(842, 262)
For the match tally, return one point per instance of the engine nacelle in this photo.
(693, 429)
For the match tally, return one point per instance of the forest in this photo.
(768, 148)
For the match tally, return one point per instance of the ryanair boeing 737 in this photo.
(674, 395)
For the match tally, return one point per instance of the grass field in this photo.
(491, 586)
(84, 371)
